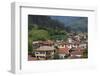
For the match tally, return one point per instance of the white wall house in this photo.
(83, 45)
(44, 52)
(69, 40)
(69, 46)
(63, 50)
(40, 54)
(62, 56)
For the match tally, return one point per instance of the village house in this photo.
(44, 52)
(35, 44)
(83, 45)
(75, 52)
(43, 49)
(46, 43)
(63, 50)
(69, 40)
(69, 45)
(77, 38)
(74, 45)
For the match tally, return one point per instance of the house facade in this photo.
(43, 49)
(63, 50)
(44, 52)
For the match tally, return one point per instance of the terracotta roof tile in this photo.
(64, 50)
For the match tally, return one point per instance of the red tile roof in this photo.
(76, 52)
(64, 50)
(79, 49)
(76, 49)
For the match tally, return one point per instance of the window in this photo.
(42, 52)
(37, 53)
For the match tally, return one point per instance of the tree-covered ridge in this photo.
(44, 22)
(71, 23)
(79, 25)
(67, 23)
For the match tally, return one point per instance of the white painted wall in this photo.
(62, 56)
(39, 54)
(5, 39)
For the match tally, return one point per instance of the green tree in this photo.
(85, 54)
(36, 34)
(39, 35)
(29, 45)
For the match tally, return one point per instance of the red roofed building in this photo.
(63, 52)
(78, 49)
(76, 52)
